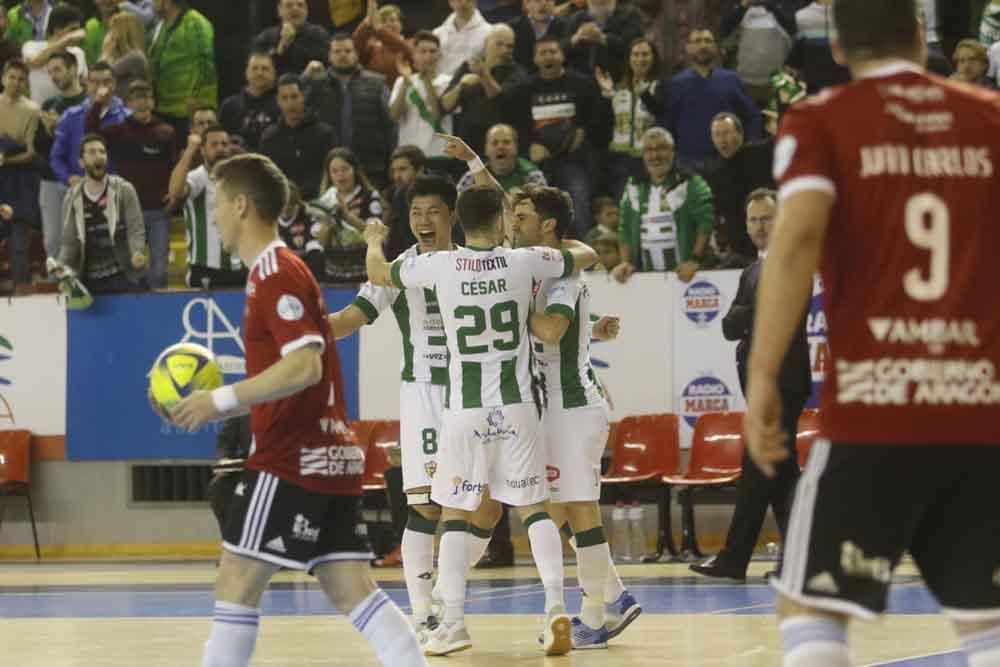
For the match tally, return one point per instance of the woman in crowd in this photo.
(125, 50)
(633, 104)
(379, 41)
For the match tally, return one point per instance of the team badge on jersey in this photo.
(290, 308)
(430, 468)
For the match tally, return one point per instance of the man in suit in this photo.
(756, 491)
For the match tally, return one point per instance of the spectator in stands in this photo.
(415, 100)
(632, 103)
(97, 28)
(379, 42)
(18, 178)
(562, 118)
(696, 95)
(145, 149)
(351, 201)
(203, 116)
(503, 161)
(667, 215)
(9, 49)
(124, 49)
(251, 111)
(476, 87)
(756, 491)
(209, 265)
(296, 42)
(299, 226)
(143, 9)
(600, 37)
(989, 27)
(811, 54)
(539, 20)
(605, 214)
(353, 101)
(65, 155)
(345, 15)
(64, 33)
(668, 25)
(182, 57)
(972, 63)
(233, 448)
(405, 164)
(742, 169)
(104, 239)
(605, 242)
(62, 69)
(763, 35)
(27, 21)
(298, 143)
(461, 36)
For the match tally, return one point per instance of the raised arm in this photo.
(177, 190)
(379, 270)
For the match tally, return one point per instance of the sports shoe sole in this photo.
(630, 616)
(451, 648)
(561, 629)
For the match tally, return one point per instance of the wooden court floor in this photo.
(158, 614)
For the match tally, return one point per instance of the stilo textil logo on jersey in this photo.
(702, 302)
(704, 394)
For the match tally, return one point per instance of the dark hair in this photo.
(67, 58)
(601, 203)
(289, 79)
(256, 177)
(702, 27)
(61, 16)
(15, 63)
(761, 193)
(549, 202)
(259, 53)
(92, 137)
(348, 156)
(479, 207)
(213, 129)
(101, 66)
(342, 36)
(979, 49)
(547, 39)
(139, 87)
(726, 115)
(409, 152)
(876, 28)
(198, 108)
(425, 36)
(654, 70)
(429, 185)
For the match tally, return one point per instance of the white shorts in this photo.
(420, 407)
(496, 448)
(575, 440)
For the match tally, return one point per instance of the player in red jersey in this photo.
(888, 184)
(297, 504)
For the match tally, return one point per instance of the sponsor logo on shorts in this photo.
(240, 489)
(551, 473)
(426, 576)
(854, 562)
(361, 530)
(525, 483)
(277, 544)
(704, 394)
(302, 530)
(823, 583)
(463, 486)
(430, 468)
(702, 302)
(496, 430)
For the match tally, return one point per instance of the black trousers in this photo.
(756, 492)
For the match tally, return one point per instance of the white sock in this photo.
(592, 571)
(417, 549)
(234, 633)
(453, 567)
(478, 539)
(546, 549)
(613, 586)
(387, 631)
(811, 641)
(982, 649)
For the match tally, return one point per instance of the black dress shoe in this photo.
(713, 568)
(505, 559)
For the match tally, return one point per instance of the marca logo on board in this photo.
(705, 394)
(701, 302)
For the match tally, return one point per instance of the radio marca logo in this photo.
(704, 394)
(702, 302)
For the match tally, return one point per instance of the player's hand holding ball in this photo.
(195, 411)
(181, 382)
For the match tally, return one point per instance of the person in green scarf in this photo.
(666, 217)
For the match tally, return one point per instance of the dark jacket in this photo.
(524, 39)
(300, 151)
(247, 116)
(311, 43)
(620, 29)
(731, 181)
(373, 132)
(795, 377)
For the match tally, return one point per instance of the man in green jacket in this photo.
(182, 57)
(97, 29)
(27, 21)
(666, 217)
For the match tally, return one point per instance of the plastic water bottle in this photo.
(637, 530)
(619, 532)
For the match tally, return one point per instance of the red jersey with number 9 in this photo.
(911, 263)
(302, 438)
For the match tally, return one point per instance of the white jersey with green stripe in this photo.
(564, 369)
(204, 247)
(425, 355)
(485, 298)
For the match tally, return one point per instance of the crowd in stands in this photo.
(656, 117)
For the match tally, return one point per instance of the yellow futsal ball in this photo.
(179, 370)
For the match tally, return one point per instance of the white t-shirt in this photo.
(457, 46)
(39, 81)
(994, 58)
(414, 129)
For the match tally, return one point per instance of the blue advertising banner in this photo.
(113, 344)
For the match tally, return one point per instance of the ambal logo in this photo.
(216, 332)
(704, 394)
(702, 302)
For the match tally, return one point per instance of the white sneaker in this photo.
(445, 639)
(557, 637)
